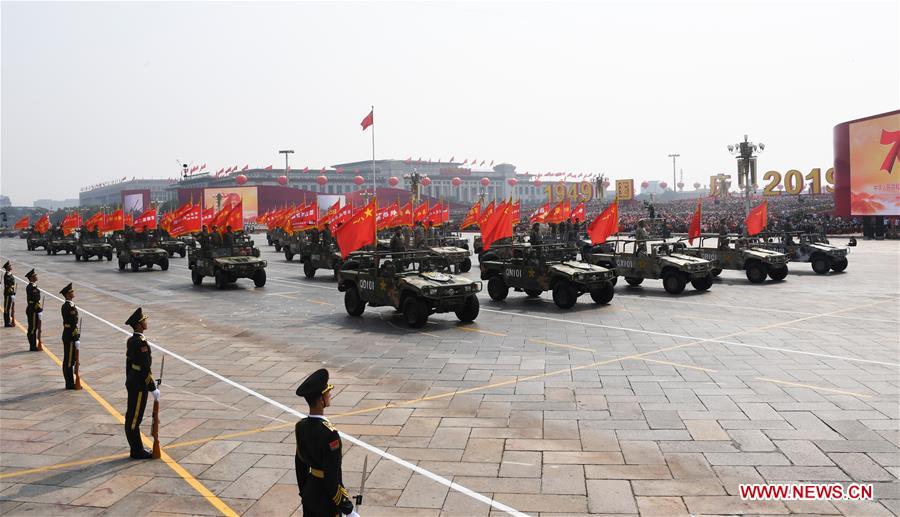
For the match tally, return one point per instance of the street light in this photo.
(674, 182)
(745, 152)
(414, 179)
(286, 152)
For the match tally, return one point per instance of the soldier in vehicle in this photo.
(641, 233)
(406, 236)
(534, 237)
(228, 236)
(419, 236)
(203, 238)
(314, 236)
(397, 241)
(215, 238)
(326, 236)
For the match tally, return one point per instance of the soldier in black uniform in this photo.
(215, 238)
(228, 237)
(70, 336)
(397, 241)
(535, 237)
(203, 238)
(9, 296)
(318, 457)
(139, 382)
(33, 309)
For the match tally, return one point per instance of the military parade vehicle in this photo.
(417, 283)
(738, 254)
(546, 267)
(170, 244)
(807, 247)
(90, 244)
(639, 259)
(57, 243)
(36, 240)
(313, 253)
(138, 252)
(455, 248)
(227, 263)
(276, 237)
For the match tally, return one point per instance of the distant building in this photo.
(111, 194)
(53, 204)
(5, 202)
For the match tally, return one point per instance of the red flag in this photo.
(165, 222)
(43, 224)
(606, 224)
(435, 214)
(452, 158)
(540, 214)
(560, 213)
(517, 211)
(306, 169)
(369, 120)
(187, 221)
(115, 221)
(465, 161)
(341, 217)
(203, 167)
(445, 213)
(385, 216)
(358, 231)
(757, 219)
(421, 212)
(578, 212)
(96, 222)
(330, 214)
(486, 214)
(236, 217)
(694, 229)
(129, 220)
(247, 167)
(70, 223)
(498, 226)
(268, 168)
(207, 215)
(404, 215)
(472, 216)
(22, 223)
(148, 219)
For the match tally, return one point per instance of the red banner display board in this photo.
(867, 166)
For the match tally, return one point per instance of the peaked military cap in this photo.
(30, 274)
(66, 289)
(136, 317)
(314, 385)
(7, 265)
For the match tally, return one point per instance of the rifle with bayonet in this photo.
(40, 327)
(154, 430)
(78, 356)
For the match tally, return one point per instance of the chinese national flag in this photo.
(540, 214)
(694, 229)
(757, 219)
(472, 216)
(368, 121)
(498, 226)
(578, 212)
(606, 224)
(22, 223)
(358, 231)
(421, 212)
(148, 219)
(235, 217)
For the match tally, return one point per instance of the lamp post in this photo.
(674, 182)
(745, 152)
(414, 179)
(598, 181)
(286, 152)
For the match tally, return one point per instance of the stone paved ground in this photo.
(655, 404)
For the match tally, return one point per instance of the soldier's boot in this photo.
(69, 376)
(138, 452)
(32, 342)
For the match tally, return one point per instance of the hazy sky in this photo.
(96, 91)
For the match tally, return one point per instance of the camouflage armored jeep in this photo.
(57, 243)
(736, 253)
(319, 256)
(89, 246)
(807, 247)
(226, 264)
(137, 254)
(173, 246)
(36, 240)
(638, 260)
(275, 238)
(409, 282)
(548, 267)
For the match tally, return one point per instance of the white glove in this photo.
(353, 514)
(38, 315)
(12, 297)
(77, 344)
(155, 394)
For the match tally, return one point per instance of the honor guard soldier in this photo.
(70, 336)
(9, 296)
(318, 457)
(139, 382)
(33, 310)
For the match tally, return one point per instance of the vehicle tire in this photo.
(121, 265)
(259, 278)
(703, 284)
(716, 272)
(164, 265)
(221, 279)
(673, 282)
(171, 253)
(415, 312)
(287, 254)
(48, 251)
(149, 266)
(255, 252)
(634, 281)
(821, 264)
(756, 274)
(77, 257)
(839, 265)
(469, 311)
(309, 270)
(181, 254)
(466, 265)
(533, 293)
(353, 302)
(278, 248)
(108, 257)
(564, 295)
(778, 273)
(67, 252)
(497, 288)
(135, 265)
(55, 252)
(196, 278)
(604, 294)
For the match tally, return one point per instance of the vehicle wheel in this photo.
(278, 248)
(135, 265)
(716, 272)
(164, 265)
(171, 253)
(604, 294)
(565, 295)
(255, 252)
(415, 312)
(673, 282)
(778, 273)
(634, 281)
(839, 265)
(353, 302)
(196, 278)
(703, 284)
(755, 273)
(77, 257)
(469, 310)
(149, 266)
(55, 252)
(259, 278)
(48, 251)
(533, 293)
(465, 266)
(67, 252)
(121, 265)
(309, 270)
(108, 257)
(287, 254)
(181, 254)
(821, 264)
(221, 279)
(614, 281)
(497, 288)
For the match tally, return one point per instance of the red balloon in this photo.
(282, 180)
(321, 180)
(696, 184)
(645, 184)
(663, 184)
(536, 182)
(485, 182)
(358, 180)
(512, 182)
(426, 181)
(240, 179)
(456, 182)
(394, 181)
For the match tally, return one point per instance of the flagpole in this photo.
(374, 179)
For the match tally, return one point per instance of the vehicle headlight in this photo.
(429, 290)
(477, 286)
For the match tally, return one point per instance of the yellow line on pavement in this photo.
(677, 365)
(58, 466)
(560, 345)
(813, 387)
(488, 332)
(320, 302)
